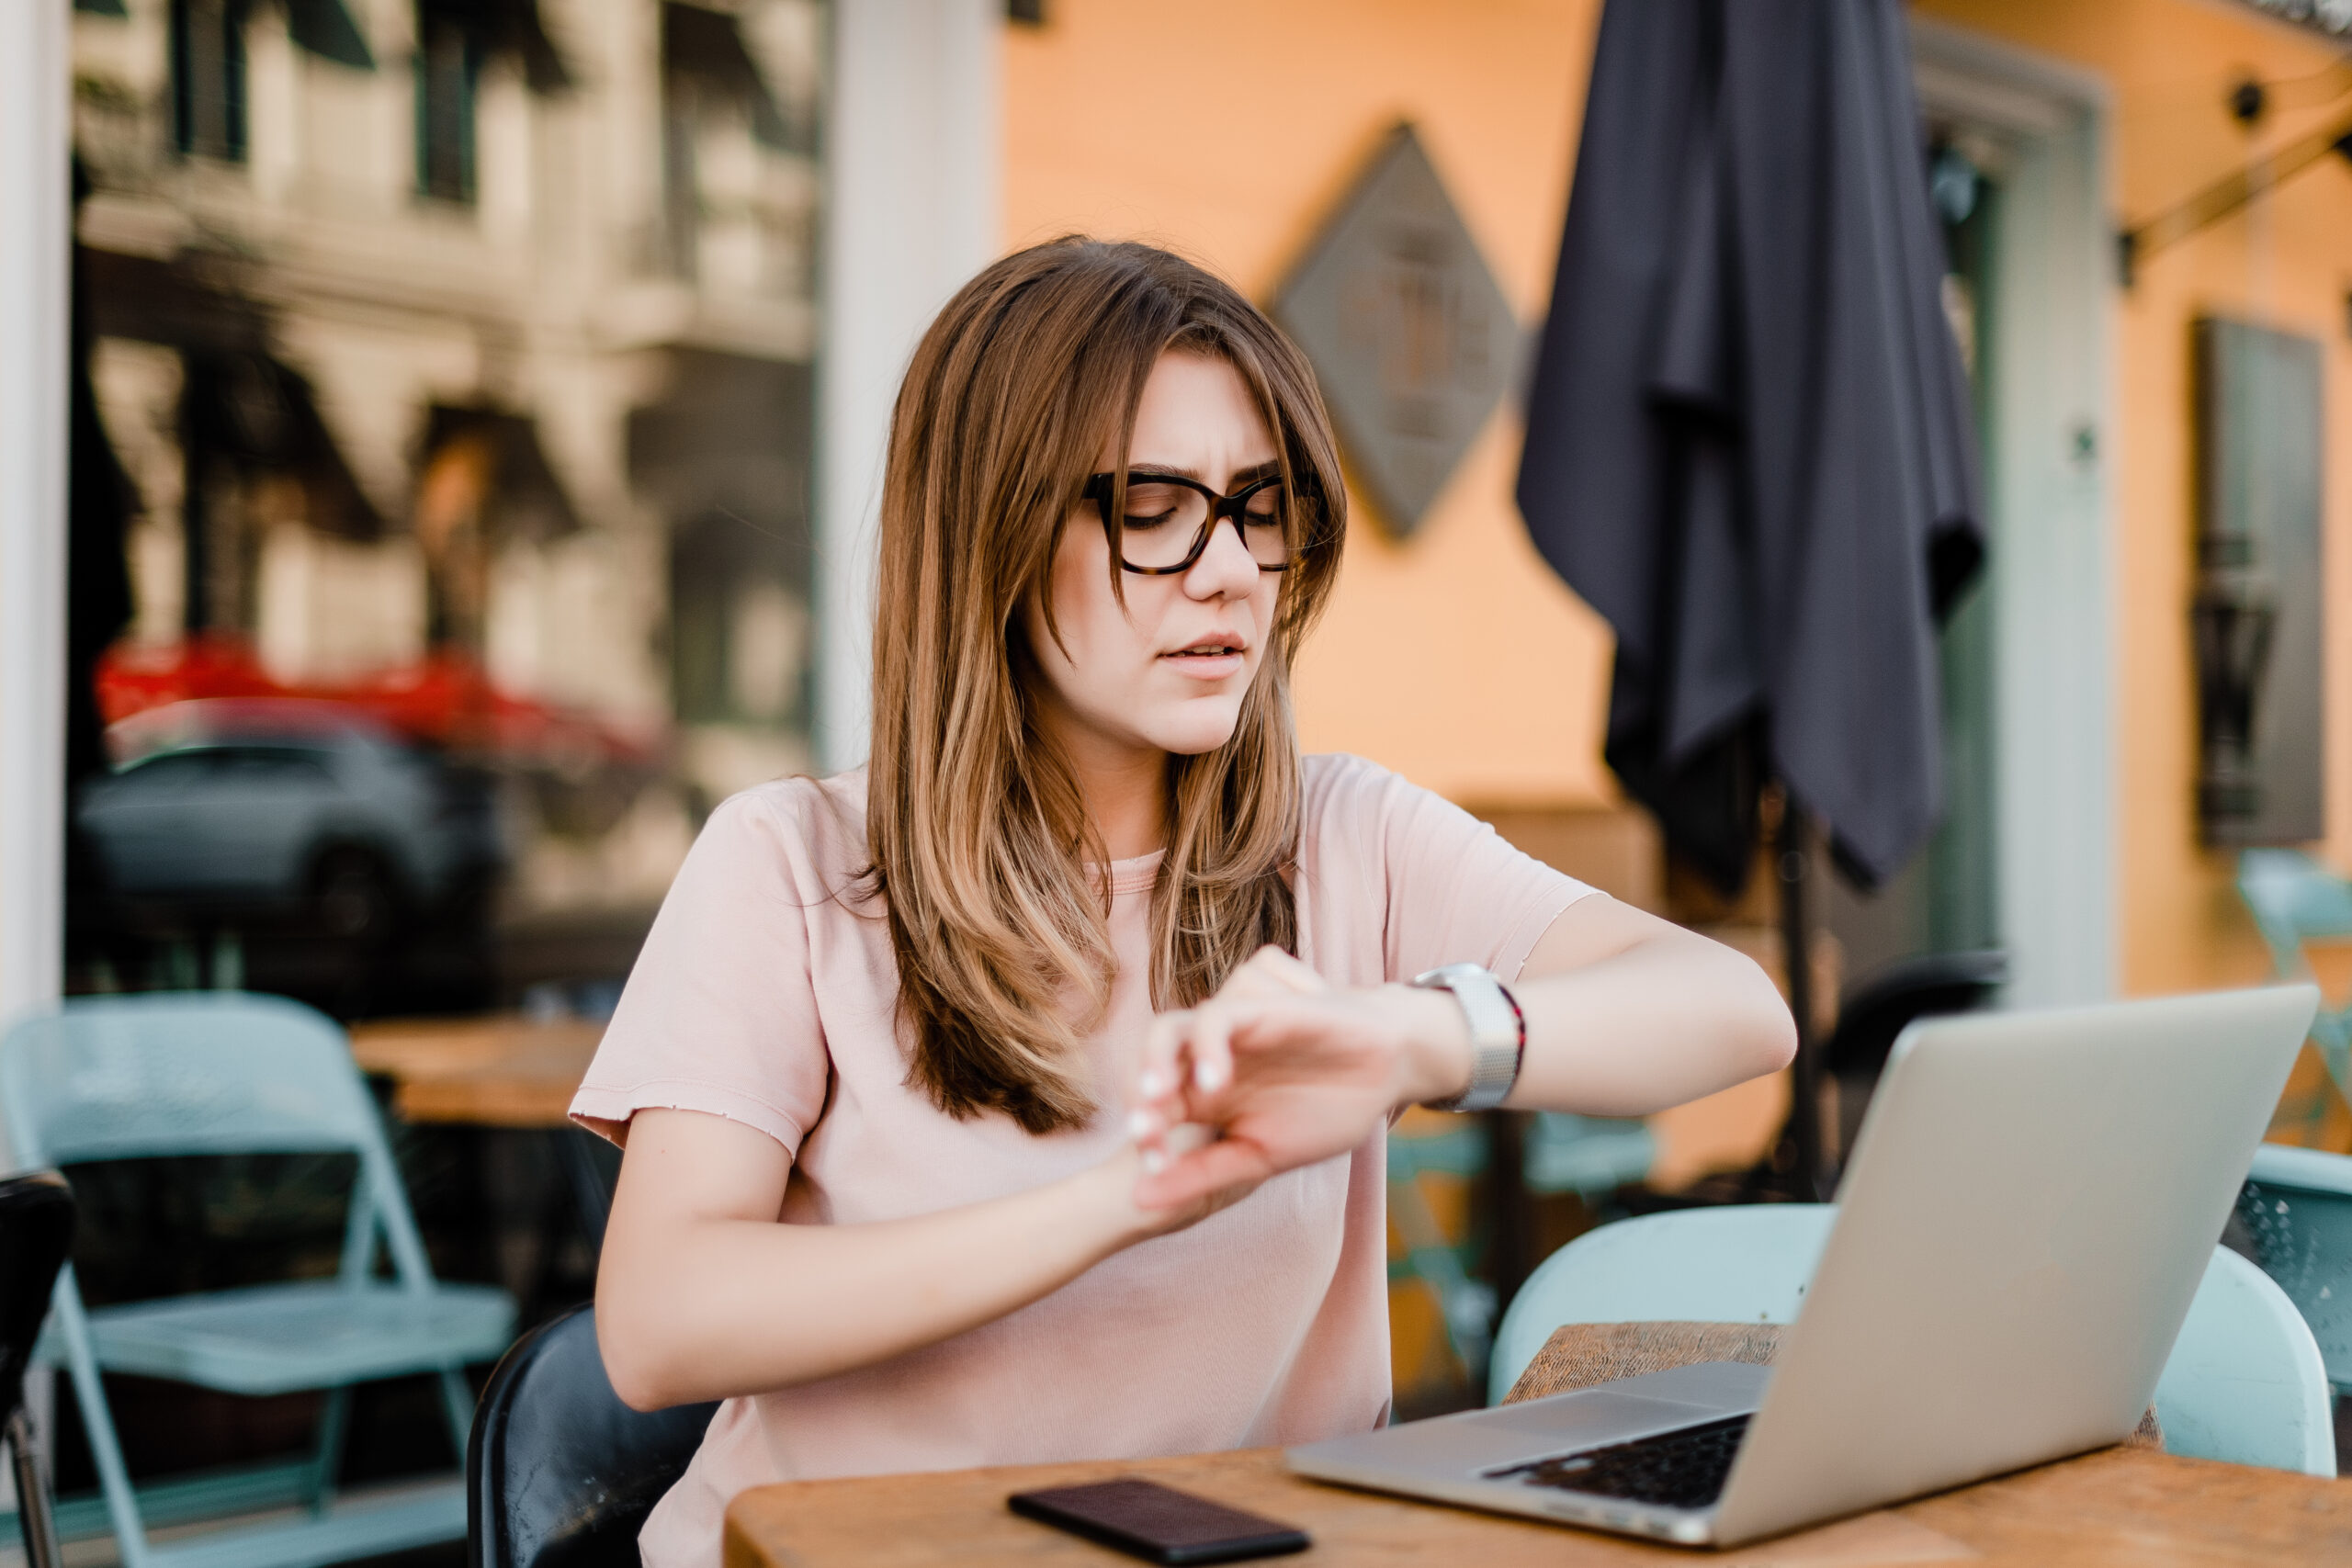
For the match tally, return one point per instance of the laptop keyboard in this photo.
(1681, 1469)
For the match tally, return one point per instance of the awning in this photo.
(260, 415)
(505, 27)
(444, 699)
(325, 27)
(728, 438)
(242, 402)
(708, 46)
(502, 472)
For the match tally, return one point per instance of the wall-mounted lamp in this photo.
(2256, 622)
(2247, 101)
(2229, 632)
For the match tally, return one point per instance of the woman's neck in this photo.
(1123, 789)
(1127, 804)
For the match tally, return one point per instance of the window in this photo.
(496, 596)
(739, 631)
(449, 67)
(721, 122)
(208, 78)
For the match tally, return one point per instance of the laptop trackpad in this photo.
(1597, 1416)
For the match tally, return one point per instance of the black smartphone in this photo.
(1159, 1523)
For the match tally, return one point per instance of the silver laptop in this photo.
(2030, 1206)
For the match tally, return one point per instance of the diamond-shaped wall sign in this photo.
(1406, 329)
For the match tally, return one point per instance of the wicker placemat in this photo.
(1579, 1355)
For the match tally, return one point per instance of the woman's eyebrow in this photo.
(1250, 475)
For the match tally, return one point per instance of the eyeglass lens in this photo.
(1162, 523)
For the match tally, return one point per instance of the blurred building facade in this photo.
(477, 331)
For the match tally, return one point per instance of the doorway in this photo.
(1946, 899)
(2024, 858)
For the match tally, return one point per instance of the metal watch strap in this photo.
(1497, 1039)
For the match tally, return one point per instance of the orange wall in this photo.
(2168, 63)
(1459, 659)
(1228, 129)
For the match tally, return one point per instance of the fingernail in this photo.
(1211, 1077)
(1154, 1162)
(1138, 1122)
(1152, 1084)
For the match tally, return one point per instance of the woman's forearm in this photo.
(697, 1299)
(1626, 1014)
(1672, 1017)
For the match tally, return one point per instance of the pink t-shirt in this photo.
(766, 994)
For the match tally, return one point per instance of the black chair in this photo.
(559, 1473)
(36, 1233)
(1879, 1010)
(1870, 1018)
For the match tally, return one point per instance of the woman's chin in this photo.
(1208, 725)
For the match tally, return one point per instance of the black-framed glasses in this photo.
(1167, 520)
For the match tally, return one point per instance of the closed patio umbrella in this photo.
(1748, 443)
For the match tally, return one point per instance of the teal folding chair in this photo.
(1466, 1305)
(2296, 1207)
(2244, 1382)
(1589, 1156)
(2293, 901)
(1736, 1263)
(213, 1073)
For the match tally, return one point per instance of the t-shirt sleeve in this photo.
(719, 1014)
(1456, 891)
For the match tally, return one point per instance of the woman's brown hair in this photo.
(998, 903)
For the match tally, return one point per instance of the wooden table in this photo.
(503, 1070)
(2128, 1507)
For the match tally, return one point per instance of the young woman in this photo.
(1022, 1096)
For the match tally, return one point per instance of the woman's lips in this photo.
(1201, 664)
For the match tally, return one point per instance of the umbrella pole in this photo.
(1792, 862)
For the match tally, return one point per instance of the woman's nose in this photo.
(1226, 569)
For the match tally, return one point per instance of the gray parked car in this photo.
(294, 813)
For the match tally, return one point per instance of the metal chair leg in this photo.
(458, 1405)
(326, 1455)
(98, 1424)
(33, 1511)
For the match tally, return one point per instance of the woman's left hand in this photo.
(1288, 1071)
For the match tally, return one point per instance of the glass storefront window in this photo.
(449, 367)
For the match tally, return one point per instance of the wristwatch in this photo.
(1498, 1034)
